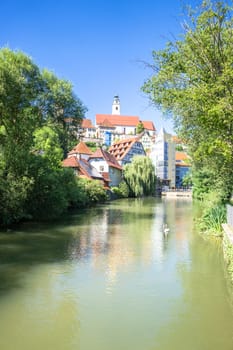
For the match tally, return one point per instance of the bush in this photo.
(213, 214)
(48, 198)
(122, 191)
(13, 195)
(55, 191)
(94, 190)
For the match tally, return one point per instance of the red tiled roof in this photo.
(106, 123)
(182, 159)
(81, 148)
(109, 158)
(124, 141)
(181, 156)
(87, 124)
(148, 125)
(117, 119)
(85, 169)
(70, 162)
(122, 120)
(97, 154)
(122, 147)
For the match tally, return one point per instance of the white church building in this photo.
(120, 125)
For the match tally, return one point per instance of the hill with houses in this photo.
(118, 140)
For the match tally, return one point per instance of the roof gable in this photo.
(122, 147)
(85, 169)
(111, 120)
(87, 124)
(89, 170)
(81, 148)
(70, 162)
(149, 125)
(182, 156)
(108, 157)
(117, 120)
(107, 124)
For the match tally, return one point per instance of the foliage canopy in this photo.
(193, 80)
(39, 116)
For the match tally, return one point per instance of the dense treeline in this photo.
(39, 115)
(193, 80)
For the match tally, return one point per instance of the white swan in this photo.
(166, 229)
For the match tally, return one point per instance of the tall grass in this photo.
(213, 218)
(213, 215)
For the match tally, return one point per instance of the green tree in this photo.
(20, 86)
(46, 144)
(61, 108)
(13, 196)
(140, 176)
(140, 127)
(193, 80)
(187, 179)
(35, 109)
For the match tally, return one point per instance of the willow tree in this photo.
(140, 176)
(192, 79)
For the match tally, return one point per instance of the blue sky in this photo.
(97, 45)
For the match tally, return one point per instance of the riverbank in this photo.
(228, 249)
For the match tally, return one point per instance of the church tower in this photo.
(116, 108)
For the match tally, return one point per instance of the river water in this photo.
(109, 279)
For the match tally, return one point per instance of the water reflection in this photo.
(111, 242)
(108, 278)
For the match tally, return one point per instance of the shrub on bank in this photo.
(122, 191)
(46, 194)
(94, 191)
(213, 214)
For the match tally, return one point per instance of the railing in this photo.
(177, 190)
(230, 215)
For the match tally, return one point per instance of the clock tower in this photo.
(116, 108)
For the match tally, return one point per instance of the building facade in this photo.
(120, 126)
(126, 149)
(107, 165)
(163, 158)
(183, 167)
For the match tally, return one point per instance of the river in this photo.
(108, 278)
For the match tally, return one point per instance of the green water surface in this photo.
(109, 279)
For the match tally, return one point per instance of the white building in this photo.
(107, 165)
(119, 125)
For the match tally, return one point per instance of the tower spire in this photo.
(116, 108)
